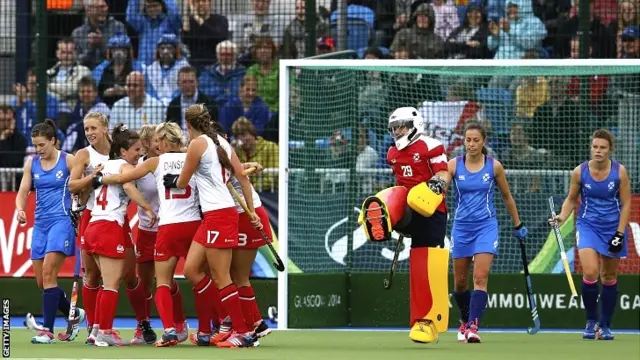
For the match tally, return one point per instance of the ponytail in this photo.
(484, 150)
(199, 118)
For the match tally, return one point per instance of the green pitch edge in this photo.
(550, 254)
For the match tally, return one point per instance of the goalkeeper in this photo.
(415, 208)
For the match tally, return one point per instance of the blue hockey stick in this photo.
(532, 299)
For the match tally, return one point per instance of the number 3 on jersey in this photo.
(101, 199)
(407, 171)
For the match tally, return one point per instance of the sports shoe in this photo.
(43, 337)
(461, 331)
(261, 329)
(182, 330)
(169, 338)
(108, 338)
(224, 332)
(79, 319)
(148, 334)
(138, 339)
(424, 332)
(33, 325)
(590, 330)
(471, 333)
(200, 339)
(375, 219)
(93, 333)
(604, 333)
(237, 340)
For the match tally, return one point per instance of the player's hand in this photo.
(520, 232)
(21, 216)
(96, 182)
(255, 221)
(558, 219)
(255, 168)
(153, 218)
(170, 181)
(437, 184)
(615, 244)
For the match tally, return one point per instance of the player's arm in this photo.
(440, 170)
(570, 202)
(503, 185)
(195, 150)
(135, 195)
(451, 170)
(245, 184)
(149, 166)
(23, 192)
(625, 198)
(77, 183)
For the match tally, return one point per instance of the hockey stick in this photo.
(387, 282)
(73, 321)
(563, 254)
(532, 299)
(278, 264)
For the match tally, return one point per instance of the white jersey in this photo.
(176, 205)
(256, 198)
(147, 187)
(110, 200)
(95, 159)
(212, 178)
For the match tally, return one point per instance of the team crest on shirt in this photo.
(611, 185)
(36, 176)
(120, 249)
(393, 161)
(485, 177)
(416, 157)
(588, 186)
(59, 174)
(461, 177)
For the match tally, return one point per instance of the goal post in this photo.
(333, 140)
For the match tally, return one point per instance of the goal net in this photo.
(539, 116)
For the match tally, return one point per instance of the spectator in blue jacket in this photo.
(162, 75)
(248, 104)
(221, 82)
(518, 32)
(111, 74)
(156, 18)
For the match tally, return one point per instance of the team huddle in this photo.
(185, 210)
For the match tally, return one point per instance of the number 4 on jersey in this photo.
(101, 199)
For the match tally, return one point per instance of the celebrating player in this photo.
(106, 231)
(475, 226)
(88, 161)
(211, 160)
(419, 164)
(145, 239)
(53, 234)
(179, 220)
(601, 229)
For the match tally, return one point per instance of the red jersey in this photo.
(418, 163)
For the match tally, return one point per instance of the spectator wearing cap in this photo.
(92, 36)
(162, 74)
(187, 95)
(294, 42)
(631, 42)
(518, 32)
(251, 147)
(249, 105)
(151, 19)
(221, 82)
(138, 108)
(628, 15)
(65, 74)
(421, 38)
(266, 71)
(325, 45)
(202, 31)
(111, 74)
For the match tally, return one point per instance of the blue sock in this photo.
(590, 299)
(608, 303)
(463, 299)
(63, 304)
(50, 299)
(477, 306)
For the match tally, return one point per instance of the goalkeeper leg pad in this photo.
(423, 200)
(381, 212)
(428, 292)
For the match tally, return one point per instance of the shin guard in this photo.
(428, 286)
(381, 212)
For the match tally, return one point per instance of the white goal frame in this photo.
(283, 169)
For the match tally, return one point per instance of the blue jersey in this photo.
(600, 200)
(53, 199)
(474, 192)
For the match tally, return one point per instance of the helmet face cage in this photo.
(400, 123)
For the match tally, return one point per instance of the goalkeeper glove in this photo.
(437, 184)
(520, 232)
(615, 244)
(170, 181)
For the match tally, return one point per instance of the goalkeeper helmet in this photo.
(405, 125)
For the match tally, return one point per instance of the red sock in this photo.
(89, 298)
(96, 310)
(219, 312)
(164, 304)
(108, 304)
(231, 303)
(138, 301)
(249, 305)
(178, 310)
(203, 297)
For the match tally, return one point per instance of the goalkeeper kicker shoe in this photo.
(424, 332)
(376, 220)
(590, 330)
